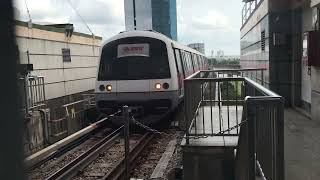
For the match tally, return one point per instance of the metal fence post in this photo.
(126, 141)
(280, 144)
(251, 140)
(186, 109)
(262, 77)
(26, 93)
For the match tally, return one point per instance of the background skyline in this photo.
(210, 22)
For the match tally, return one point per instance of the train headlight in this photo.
(158, 86)
(102, 87)
(165, 86)
(109, 87)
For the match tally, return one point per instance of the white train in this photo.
(144, 70)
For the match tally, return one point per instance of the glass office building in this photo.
(158, 15)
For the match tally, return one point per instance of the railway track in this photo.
(99, 157)
(84, 164)
(79, 163)
(118, 170)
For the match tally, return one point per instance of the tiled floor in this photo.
(302, 147)
(208, 121)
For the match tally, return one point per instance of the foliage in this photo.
(214, 61)
(230, 90)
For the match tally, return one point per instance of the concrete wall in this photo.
(311, 84)
(315, 82)
(288, 75)
(315, 94)
(305, 76)
(285, 54)
(252, 55)
(43, 49)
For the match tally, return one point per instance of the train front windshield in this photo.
(134, 58)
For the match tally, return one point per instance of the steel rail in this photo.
(118, 171)
(72, 168)
(64, 145)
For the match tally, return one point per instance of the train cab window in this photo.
(179, 63)
(120, 60)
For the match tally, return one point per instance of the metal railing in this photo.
(226, 103)
(33, 95)
(261, 141)
(214, 101)
(70, 118)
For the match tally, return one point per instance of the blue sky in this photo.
(216, 23)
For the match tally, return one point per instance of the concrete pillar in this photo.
(315, 94)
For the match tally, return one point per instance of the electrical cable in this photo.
(77, 12)
(25, 2)
(86, 24)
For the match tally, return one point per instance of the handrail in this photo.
(209, 103)
(235, 70)
(77, 102)
(261, 88)
(192, 76)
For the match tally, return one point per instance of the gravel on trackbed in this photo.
(149, 158)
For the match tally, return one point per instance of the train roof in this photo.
(151, 34)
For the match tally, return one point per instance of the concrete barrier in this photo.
(49, 151)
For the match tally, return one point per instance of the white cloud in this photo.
(206, 22)
(212, 20)
(104, 17)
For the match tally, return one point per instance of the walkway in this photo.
(302, 147)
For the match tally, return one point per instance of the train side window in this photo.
(194, 65)
(199, 62)
(178, 62)
(206, 61)
(190, 61)
(195, 62)
(185, 62)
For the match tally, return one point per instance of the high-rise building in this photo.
(158, 15)
(220, 53)
(283, 37)
(198, 46)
